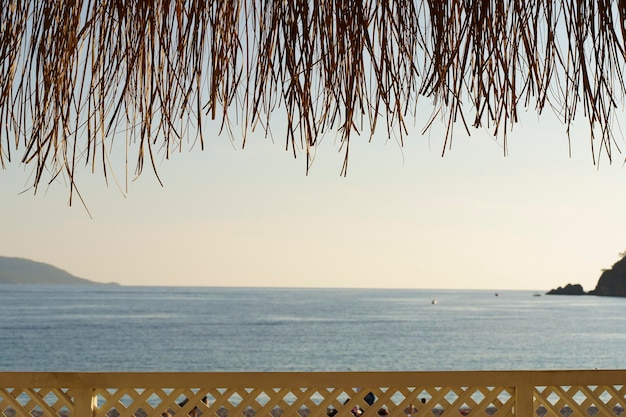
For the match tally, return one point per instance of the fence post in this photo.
(85, 402)
(524, 401)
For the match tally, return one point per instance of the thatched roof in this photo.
(76, 74)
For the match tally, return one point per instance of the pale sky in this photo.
(402, 218)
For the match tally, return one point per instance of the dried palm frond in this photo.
(76, 74)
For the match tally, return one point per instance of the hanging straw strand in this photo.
(77, 77)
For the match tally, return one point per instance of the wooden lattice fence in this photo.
(582, 393)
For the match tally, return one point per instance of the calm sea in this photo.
(109, 328)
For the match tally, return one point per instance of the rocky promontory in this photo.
(569, 289)
(612, 283)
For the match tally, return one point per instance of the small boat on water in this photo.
(536, 294)
(434, 302)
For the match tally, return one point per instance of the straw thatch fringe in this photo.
(76, 74)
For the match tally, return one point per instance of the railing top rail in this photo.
(311, 379)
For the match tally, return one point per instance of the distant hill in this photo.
(24, 271)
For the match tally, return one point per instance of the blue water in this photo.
(109, 328)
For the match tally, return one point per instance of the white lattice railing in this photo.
(314, 394)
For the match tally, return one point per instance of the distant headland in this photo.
(612, 283)
(27, 272)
